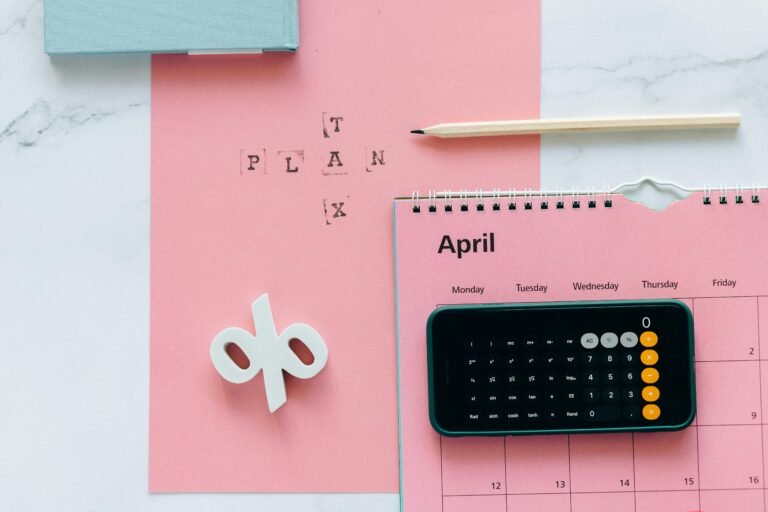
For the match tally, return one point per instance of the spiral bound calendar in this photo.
(707, 249)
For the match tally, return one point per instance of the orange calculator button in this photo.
(649, 339)
(651, 412)
(649, 357)
(650, 375)
(650, 393)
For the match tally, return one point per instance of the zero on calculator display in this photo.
(561, 367)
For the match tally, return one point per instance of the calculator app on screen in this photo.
(506, 369)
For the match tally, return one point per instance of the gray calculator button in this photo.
(609, 340)
(628, 339)
(589, 340)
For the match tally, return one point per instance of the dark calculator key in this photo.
(473, 380)
(472, 362)
(570, 360)
(551, 396)
(492, 361)
(630, 394)
(572, 414)
(631, 412)
(590, 377)
(591, 395)
(512, 361)
(602, 412)
(590, 359)
(610, 377)
(533, 414)
(531, 379)
(492, 380)
(551, 414)
(513, 398)
(611, 395)
(609, 358)
(571, 396)
(630, 376)
(550, 378)
(549, 361)
(473, 417)
(493, 416)
(471, 345)
(491, 345)
(513, 415)
(629, 357)
(512, 344)
(570, 343)
(512, 379)
(532, 396)
(570, 378)
(493, 399)
(474, 400)
(549, 343)
(530, 359)
(530, 343)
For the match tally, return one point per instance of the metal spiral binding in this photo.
(464, 202)
(607, 200)
(511, 200)
(592, 200)
(738, 193)
(432, 208)
(528, 199)
(415, 201)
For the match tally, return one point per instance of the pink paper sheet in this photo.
(225, 231)
(716, 465)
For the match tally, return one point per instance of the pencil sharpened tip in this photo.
(420, 132)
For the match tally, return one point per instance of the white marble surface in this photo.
(74, 219)
(74, 286)
(656, 57)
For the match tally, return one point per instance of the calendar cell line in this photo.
(712, 465)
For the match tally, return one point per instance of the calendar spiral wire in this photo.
(512, 199)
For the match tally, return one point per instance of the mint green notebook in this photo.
(170, 26)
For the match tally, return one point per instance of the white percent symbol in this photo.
(269, 352)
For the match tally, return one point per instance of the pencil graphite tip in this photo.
(420, 132)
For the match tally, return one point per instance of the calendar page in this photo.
(711, 253)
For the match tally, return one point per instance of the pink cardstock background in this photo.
(224, 231)
(716, 464)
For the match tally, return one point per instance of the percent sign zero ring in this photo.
(269, 352)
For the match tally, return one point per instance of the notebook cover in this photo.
(170, 26)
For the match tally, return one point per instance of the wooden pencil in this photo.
(605, 124)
